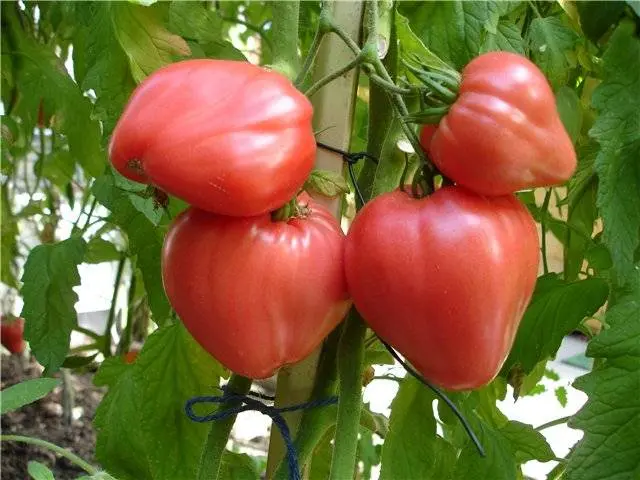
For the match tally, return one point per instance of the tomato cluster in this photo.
(255, 292)
(445, 278)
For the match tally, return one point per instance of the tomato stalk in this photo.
(106, 350)
(316, 421)
(350, 365)
(63, 452)
(543, 232)
(285, 36)
(219, 434)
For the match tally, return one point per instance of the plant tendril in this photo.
(440, 394)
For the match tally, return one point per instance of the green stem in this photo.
(346, 39)
(106, 350)
(63, 452)
(350, 365)
(543, 232)
(285, 37)
(332, 76)
(553, 423)
(388, 86)
(127, 335)
(219, 434)
(88, 333)
(313, 51)
(91, 209)
(315, 421)
(251, 27)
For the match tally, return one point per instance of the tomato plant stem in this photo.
(219, 434)
(553, 423)
(63, 452)
(285, 37)
(313, 51)
(106, 350)
(543, 231)
(316, 421)
(332, 76)
(350, 365)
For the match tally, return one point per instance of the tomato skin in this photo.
(503, 133)
(11, 333)
(257, 294)
(225, 136)
(444, 279)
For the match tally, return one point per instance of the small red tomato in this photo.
(11, 332)
(444, 279)
(225, 136)
(503, 133)
(256, 293)
(130, 356)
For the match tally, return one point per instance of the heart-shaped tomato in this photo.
(444, 279)
(256, 293)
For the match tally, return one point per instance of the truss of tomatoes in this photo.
(445, 279)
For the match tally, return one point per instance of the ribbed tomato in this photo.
(256, 293)
(503, 133)
(225, 136)
(444, 279)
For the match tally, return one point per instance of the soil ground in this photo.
(44, 420)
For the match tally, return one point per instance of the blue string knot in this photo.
(252, 401)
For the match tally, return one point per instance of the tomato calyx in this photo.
(135, 165)
(441, 90)
(292, 209)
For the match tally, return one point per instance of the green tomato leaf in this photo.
(43, 76)
(411, 448)
(507, 37)
(143, 432)
(499, 462)
(50, 273)
(570, 110)
(8, 242)
(616, 129)
(557, 308)
(120, 444)
(39, 471)
(100, 250)
(561, 395)
(412, 45)
(24, 393)
(527, 443)
(582, 213)
(452, 30)
(611, 417)
(597, 17)
(145, 240)
(327, 183)
(143, 37)
(100, 62)
(551, 43)
(237, 466)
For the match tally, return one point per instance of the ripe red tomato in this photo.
(257, 294)
(444, 279)
(503, 133)
(11, 332)
(130, 356)
(225, 136)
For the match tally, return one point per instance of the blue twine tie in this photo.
(247, 403)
